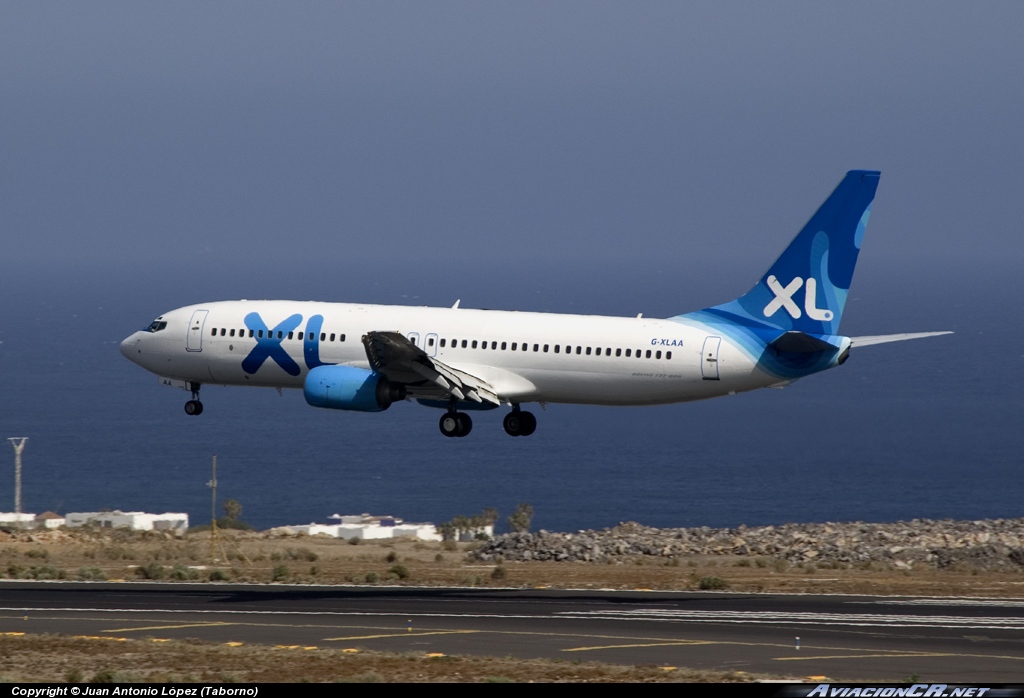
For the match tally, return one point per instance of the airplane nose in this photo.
(128, 347)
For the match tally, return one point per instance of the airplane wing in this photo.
(883, 338)
(391, 354)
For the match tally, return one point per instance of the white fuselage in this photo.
(526, 357)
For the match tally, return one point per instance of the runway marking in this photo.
(405, 634)
(893, 655)
(938, 601)
(168, 627)
(805, 618)
(646, 644)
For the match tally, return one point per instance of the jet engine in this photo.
(350, 388)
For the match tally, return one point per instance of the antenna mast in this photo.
(18, 442)
(212, 484)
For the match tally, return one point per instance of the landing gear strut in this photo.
(193, 407)
(519, 423)
(455, 423)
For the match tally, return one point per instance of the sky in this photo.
(607, 158)
(463, 137)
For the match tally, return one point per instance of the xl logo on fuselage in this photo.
(784, 299)
(268, 343)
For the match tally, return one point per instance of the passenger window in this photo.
(648, 353)
(332, 336)
(579, 350)
(290, 335)
(483, 345)
(323, 336)
(474, 344)
(536, 347)
(556, 348)
(545, 348)
(442, 344)
(629, 352)
(618, 352)
(588, 351)
(231, 333)
(513, 346)
(213, 332)
(494, 345)
(310, 337)
(608, 351)
(343, 338)
(668, 356)
(261, 334)
(251, 334)
(463, 344)
(430, 341)
(503, 346)
(657, 354)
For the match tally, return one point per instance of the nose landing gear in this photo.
(193, 407)
(519, 423)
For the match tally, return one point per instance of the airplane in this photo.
(360, 357)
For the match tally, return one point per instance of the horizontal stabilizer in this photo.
(800, 342)
(884, 338)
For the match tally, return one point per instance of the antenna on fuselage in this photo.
(18, 442)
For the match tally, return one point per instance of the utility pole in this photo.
(18, 442)
(212, 484)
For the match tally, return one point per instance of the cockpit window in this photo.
(156, 326)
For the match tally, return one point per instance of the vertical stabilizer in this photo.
(805, 289)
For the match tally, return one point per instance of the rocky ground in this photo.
(920, 557)
(988, 545)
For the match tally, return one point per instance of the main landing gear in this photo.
(519, 423)
(193, 407)
(455, 423)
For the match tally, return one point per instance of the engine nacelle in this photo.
(350, 388)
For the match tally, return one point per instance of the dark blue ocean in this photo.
(929, 428)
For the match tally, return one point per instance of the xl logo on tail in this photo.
(784, 299)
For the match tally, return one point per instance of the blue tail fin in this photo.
(805, 289)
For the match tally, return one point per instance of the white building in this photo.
(9, 518)
(134, 520)
(367, 527)
(45, 520)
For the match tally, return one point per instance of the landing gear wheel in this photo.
(465, 423)
(449, 424)
(193, 408)
(513, 423)
(455, 424)
(519, 423)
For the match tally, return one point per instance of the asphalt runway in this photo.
(841, 637)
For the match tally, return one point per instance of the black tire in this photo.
(449, 424)
(513, 423)
(193, 408)
(465, 423)
(527, 423)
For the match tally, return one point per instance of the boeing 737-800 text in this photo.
(365, 357)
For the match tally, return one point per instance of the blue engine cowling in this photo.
(350, 388)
